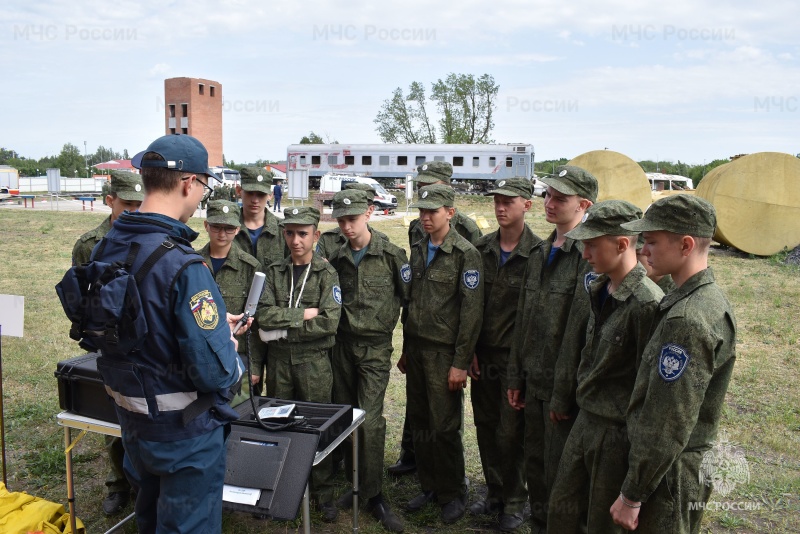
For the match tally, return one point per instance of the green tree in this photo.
(465, 105)
(311, 139)
(70, 160)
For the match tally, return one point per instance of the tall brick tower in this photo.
(194, 106)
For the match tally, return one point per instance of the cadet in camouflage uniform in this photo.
(440, 330)
(663, 281)
(550, 332)
(623, 305)
(431, 172)
(260, 236)
(499, 427)
(679, 393)
(332, 239)
(125, 192)
(233, 269)
(376, 281)
(298, 316)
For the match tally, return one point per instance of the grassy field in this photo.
(762, 415)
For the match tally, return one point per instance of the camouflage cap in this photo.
(432, 172)
(679, 214)
(605, 218)
(434, 196)
(640, 242)
(127, 186)
(255, 179)
(349, 202)
(300, 215)
(368, 189)
(513, 187)
(223, 212)
(572, 180)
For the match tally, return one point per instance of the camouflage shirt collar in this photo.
(704, 277)
(629, 283)
(526, 242)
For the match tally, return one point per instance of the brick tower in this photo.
(193, 106)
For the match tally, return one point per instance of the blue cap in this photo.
(182, 153)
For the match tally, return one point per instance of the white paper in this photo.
(239, 495)
(12, 315)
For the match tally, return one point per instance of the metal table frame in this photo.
(70, 420)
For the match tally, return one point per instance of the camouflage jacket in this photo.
(666, 284)
(550, 329)
(680, 389)
(82, 250)
(463, 225)
(446, 306)
(373, 292)
(615, 339)
(270, 245)
(321, 291)
(503, 286)
(332, 239)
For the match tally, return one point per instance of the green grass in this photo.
(762, 414)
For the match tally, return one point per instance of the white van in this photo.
(332, 183)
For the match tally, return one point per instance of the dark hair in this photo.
(159, 178)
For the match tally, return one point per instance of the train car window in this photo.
(492, 161)
(458, 161)
(509, 161)
(349, 160)
(333, 160)
(419, 160)
(315, 160)
(476, 162)
(402, 160)
(383, 160)
(522, 161)
(366, 160)
(302, 160)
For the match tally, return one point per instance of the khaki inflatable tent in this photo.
(757, 198)
(618, 176)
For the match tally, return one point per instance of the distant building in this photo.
(193, 106)
(278, 170)
(115, 165)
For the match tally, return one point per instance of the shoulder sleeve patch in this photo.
(405, 273)
(337, 294)
(471, 278)
(204, 310)
(588, 279)
(672, 362)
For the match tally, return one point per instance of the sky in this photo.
(683, 80)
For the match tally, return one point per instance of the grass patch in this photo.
(762, 414)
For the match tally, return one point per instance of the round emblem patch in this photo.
(337, 295)
(585, 216)
(501, 183)
(424, 167)
(294, 211)
(259, 178)
(137, 188)
(471, 278)
(589, 278)
(405, 273)
(424, 194)
(563, 173)
(672, 362)
(346, 201)
(225, 209)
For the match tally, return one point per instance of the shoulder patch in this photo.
(337, 294)
(672, 362)
(471, 278)
(588, 279)
(204, 310)
(405, 273)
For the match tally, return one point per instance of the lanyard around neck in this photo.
(302, 287)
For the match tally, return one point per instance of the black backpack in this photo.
(102, 301)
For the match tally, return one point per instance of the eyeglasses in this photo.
(230, 230)
(208, 189)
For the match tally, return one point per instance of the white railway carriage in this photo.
(476, 164)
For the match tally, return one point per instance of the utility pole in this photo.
(85, 159)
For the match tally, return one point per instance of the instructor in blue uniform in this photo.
(172, 395)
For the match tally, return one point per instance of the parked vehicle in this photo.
(333, 183)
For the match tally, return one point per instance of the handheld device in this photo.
(256, 287)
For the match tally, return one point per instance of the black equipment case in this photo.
(81, 389)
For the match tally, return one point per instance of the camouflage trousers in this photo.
(544, 443)
(310, 381)
(360, 377)
(592, 469)
(674, 506)
(500, 429)
(436, 416)
(116, 481)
